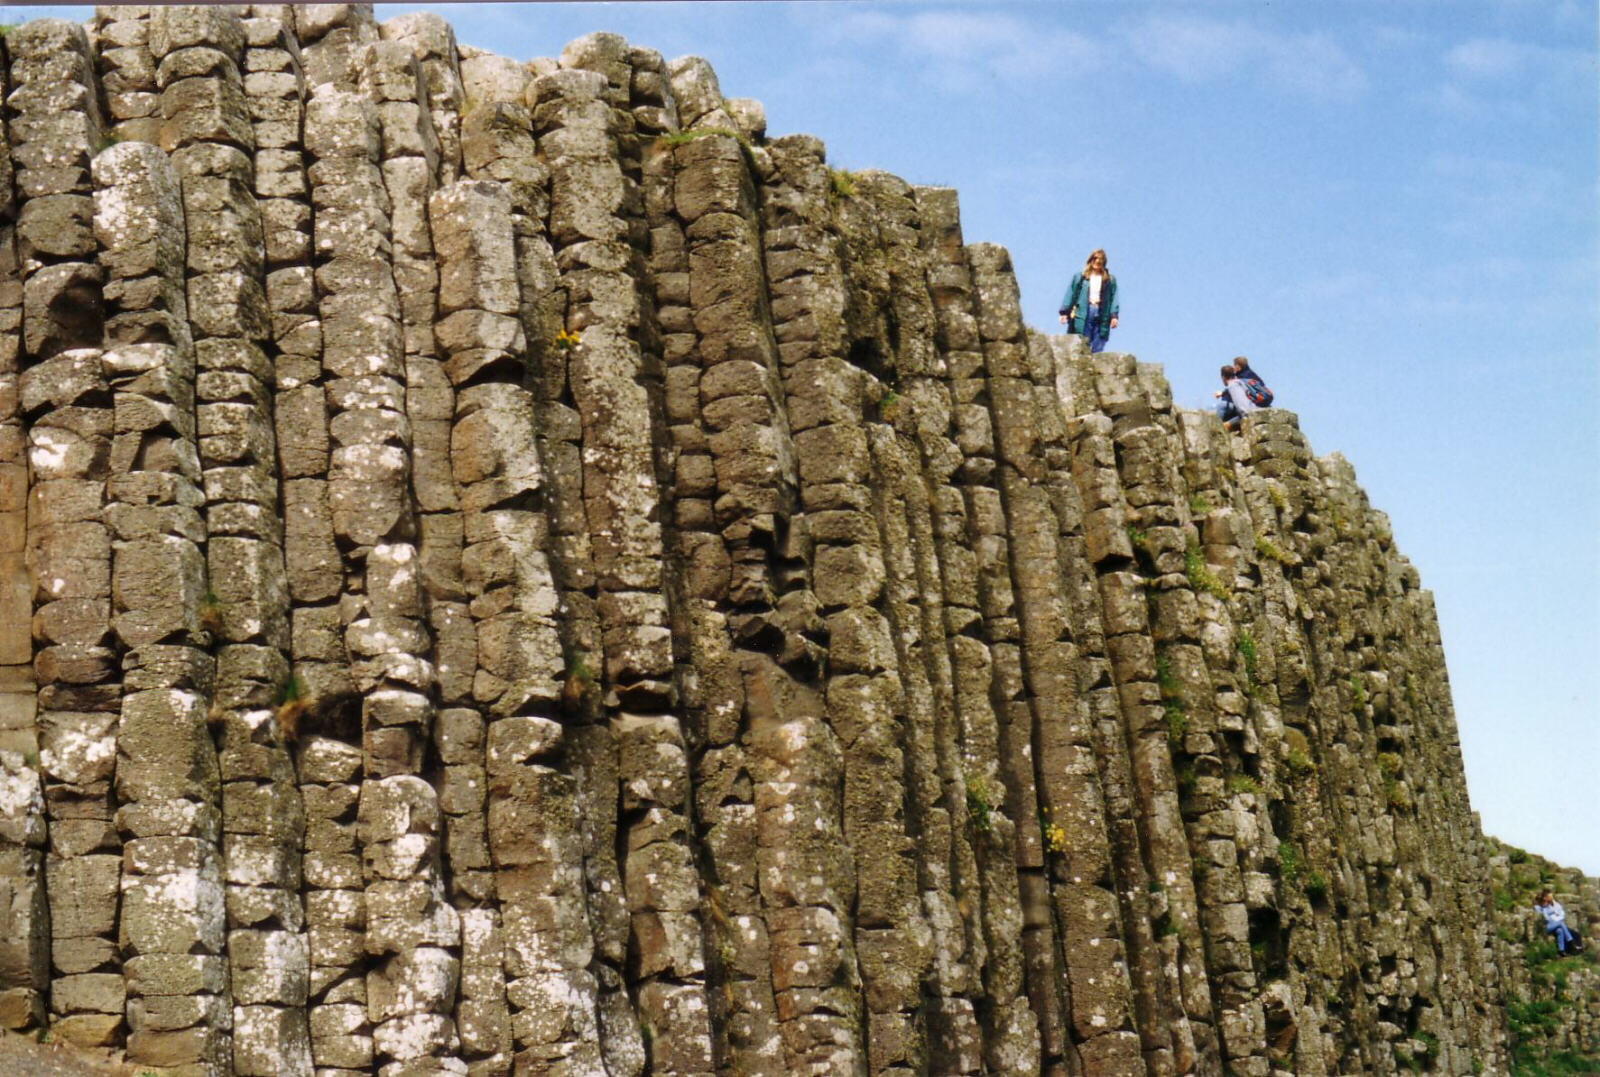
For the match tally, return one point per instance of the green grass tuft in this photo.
(841, 185)
(1200, 576)
(1288, 863)
(1267, 549)
(980, 806)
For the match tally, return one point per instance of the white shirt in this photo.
(1095, 280)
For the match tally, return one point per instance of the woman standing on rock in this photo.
(1090, 305)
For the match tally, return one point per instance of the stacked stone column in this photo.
(875, 575)
(26, 924)
(24, 909)
(202, 60)
(577, 123)
(53, 127)
(1097, 1004)
(433, 43)
(519, 663)
(413, 934)
(18, 705)
(167, 776)
(1046, 736)
(1108, 548)
(794, 756)
(738, 949)
(1214, 654)
(127, 70)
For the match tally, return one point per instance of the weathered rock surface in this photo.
(505, 568)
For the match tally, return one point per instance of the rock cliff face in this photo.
(505, 567)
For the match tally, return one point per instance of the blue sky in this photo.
(1391, 207)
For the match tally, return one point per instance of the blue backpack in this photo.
(1256, 389)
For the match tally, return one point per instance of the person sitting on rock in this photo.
(1242, 392)
(1555, 920)
(1090, 305)
(1233, 403)
(1253, 385)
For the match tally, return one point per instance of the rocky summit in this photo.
(507, 568)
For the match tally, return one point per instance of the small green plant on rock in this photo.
(1246, 647)
(209, 611)
(1200, 576)
(683, 138)
(1316, 886)
(980, 805)
(1288, 863)
(1172, 706)
(1299, 763)
(1358, 695)
(289, 705)
(577, 684)
(567, 341)
(1269, 550)
(1242, 783)
(841, 184)
(1198, 505)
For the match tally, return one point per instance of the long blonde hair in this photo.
(1088, 263)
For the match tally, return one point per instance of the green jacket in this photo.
(1077, 301)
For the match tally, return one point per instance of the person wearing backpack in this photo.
(1254, 387)
(1089, 308)
(1233, 401)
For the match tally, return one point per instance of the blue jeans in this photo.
(1234, 403)
(1092, 329)
(1563, 935)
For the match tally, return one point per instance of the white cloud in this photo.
(1485, 57)
(959, 49)
(1199, 49)
(1482, 197)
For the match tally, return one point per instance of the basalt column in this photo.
(202, 58)
(738, 947)
(54, 125)
(576, 124)
(1046, 742)
(777, 588)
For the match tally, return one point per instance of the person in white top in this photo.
(1090, 307)
(1555, 922)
